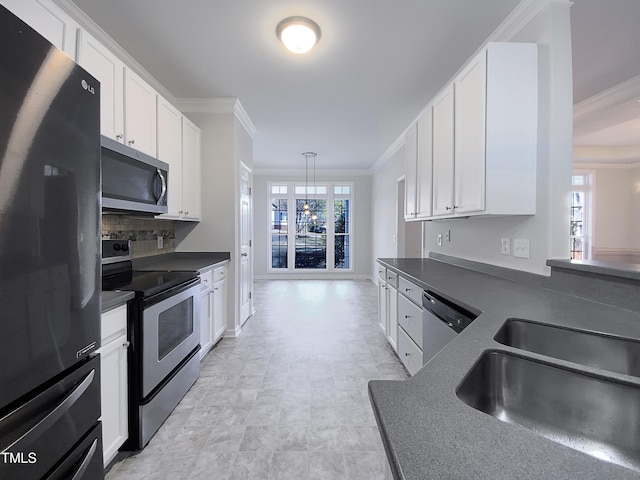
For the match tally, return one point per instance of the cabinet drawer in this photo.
(206, 279)
(219, 274)
(113, 323)
(409, 353)
(392, 279)
(382, 273)
(410, 290)
(410, 318)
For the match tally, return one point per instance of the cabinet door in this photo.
(170, 151)
(140, 114)
(443, 141)
(48, 20)
(392, 330)
(206, 320)
(411, 176)
(425, 163)
(114, 399)
(470, 116)
(219, 310)
(383, 313)
(109, 70)
(191, 179)
(409, 353)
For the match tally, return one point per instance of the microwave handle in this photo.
(164, 186)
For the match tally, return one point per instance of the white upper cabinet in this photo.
(140, 113)
(425, 163)
(419, 166)
(109, 70)
(485, 127)
(469, 154)
(170, 151)
(127, 103)
(443, 145)
(179, 146)
(411, 176)
(48, 20)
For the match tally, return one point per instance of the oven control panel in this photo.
(116, 250)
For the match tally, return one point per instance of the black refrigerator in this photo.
(49, 261)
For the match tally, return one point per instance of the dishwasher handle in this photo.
(454, 316)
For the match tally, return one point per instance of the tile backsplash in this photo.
(143, 233)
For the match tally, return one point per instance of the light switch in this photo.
(521, 248)
(505, 248)
(439, 239)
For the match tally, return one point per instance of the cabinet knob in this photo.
(456, 206)
(407, 289)
(407, 354)
(131, 142)
(245, 254)
(448, 208)
(407, 316)
(186, 213)
(119, 136)
(126, 344)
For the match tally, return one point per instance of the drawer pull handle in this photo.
(407, 289)
(407, 354)
(126, 344)
(407, 316)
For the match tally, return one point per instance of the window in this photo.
(580, 220)
(316, 241)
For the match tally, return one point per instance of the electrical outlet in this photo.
(160, 241)
(521, 248)
(505, 248)
(439, 239)
(447, 235)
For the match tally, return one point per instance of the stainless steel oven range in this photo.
(164, 332)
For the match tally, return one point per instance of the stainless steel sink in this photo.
(607, 352)
(592, 414)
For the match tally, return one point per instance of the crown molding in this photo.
(389, 152)
(218, 106)
(624, 154)
(300, 172)
(95, 30)
(623, 92)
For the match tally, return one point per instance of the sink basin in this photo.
(592, 414)
(607, 352)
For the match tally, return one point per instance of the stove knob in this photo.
(125, 247)
(116, 247)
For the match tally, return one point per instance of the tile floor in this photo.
(285, 400)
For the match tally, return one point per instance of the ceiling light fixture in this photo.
(298, 34)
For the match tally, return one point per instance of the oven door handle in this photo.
(164, 186)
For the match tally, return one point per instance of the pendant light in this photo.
(306, 207)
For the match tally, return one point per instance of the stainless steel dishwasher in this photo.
(442, 320)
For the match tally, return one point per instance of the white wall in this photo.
(384, 185)
(615, 211)
(479, 239)
(361, 214)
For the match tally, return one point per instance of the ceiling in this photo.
(376, 66)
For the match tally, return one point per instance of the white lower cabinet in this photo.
(410, 354)
(113, 381)
(213, 308)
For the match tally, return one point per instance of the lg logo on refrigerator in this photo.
(88, 87)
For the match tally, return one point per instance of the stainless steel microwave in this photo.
(132, 182)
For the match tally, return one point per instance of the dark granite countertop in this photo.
(620, 270)
(429, 433)
(182, 261)
(112, 300)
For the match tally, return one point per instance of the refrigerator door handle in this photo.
(85, 461)
(54, 415)
(164, 187)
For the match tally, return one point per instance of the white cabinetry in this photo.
(443, 141)
(179, 146)
(419, 151)
(392, 309)
(213, 310)
(113, 381)
(485, 135)
(191, 178)
(127, 102)
(48, 20)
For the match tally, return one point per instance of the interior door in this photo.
(246, 261)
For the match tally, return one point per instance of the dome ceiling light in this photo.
(298, 34)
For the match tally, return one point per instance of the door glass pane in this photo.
(279, 230)
(279, 251)
(341, 211)
(342, 257)
(311, 235)
(174, 325)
